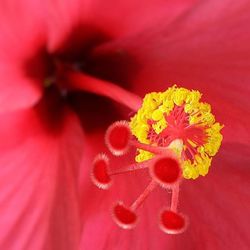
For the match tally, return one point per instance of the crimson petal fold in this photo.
(38, 180)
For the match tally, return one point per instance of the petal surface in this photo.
(82, 24)
(218, 204)
(193, 51)
(22, 42)
(40, 154)
(207, 48)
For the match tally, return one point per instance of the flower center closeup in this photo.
(175, 137)
(178, 114)
(173, 133)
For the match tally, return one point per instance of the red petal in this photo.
(17, 90)
(21, 41)
(206, 49)
(133, 16)
(82, 24)
(218, 205)
(38, 179)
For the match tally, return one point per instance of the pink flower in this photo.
(49, 135)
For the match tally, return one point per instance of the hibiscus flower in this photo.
(50, 132)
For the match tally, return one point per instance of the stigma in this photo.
(175, 136)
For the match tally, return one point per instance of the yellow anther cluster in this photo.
(157, 105)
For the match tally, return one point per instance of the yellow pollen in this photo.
(152, 118)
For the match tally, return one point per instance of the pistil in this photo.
(139, 201)
(121, 212)
(175, 198)
(81, 81)
(175, 136)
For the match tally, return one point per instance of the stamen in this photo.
(79, 80)
(178, 114)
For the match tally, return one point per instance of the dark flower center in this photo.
(77, 53)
